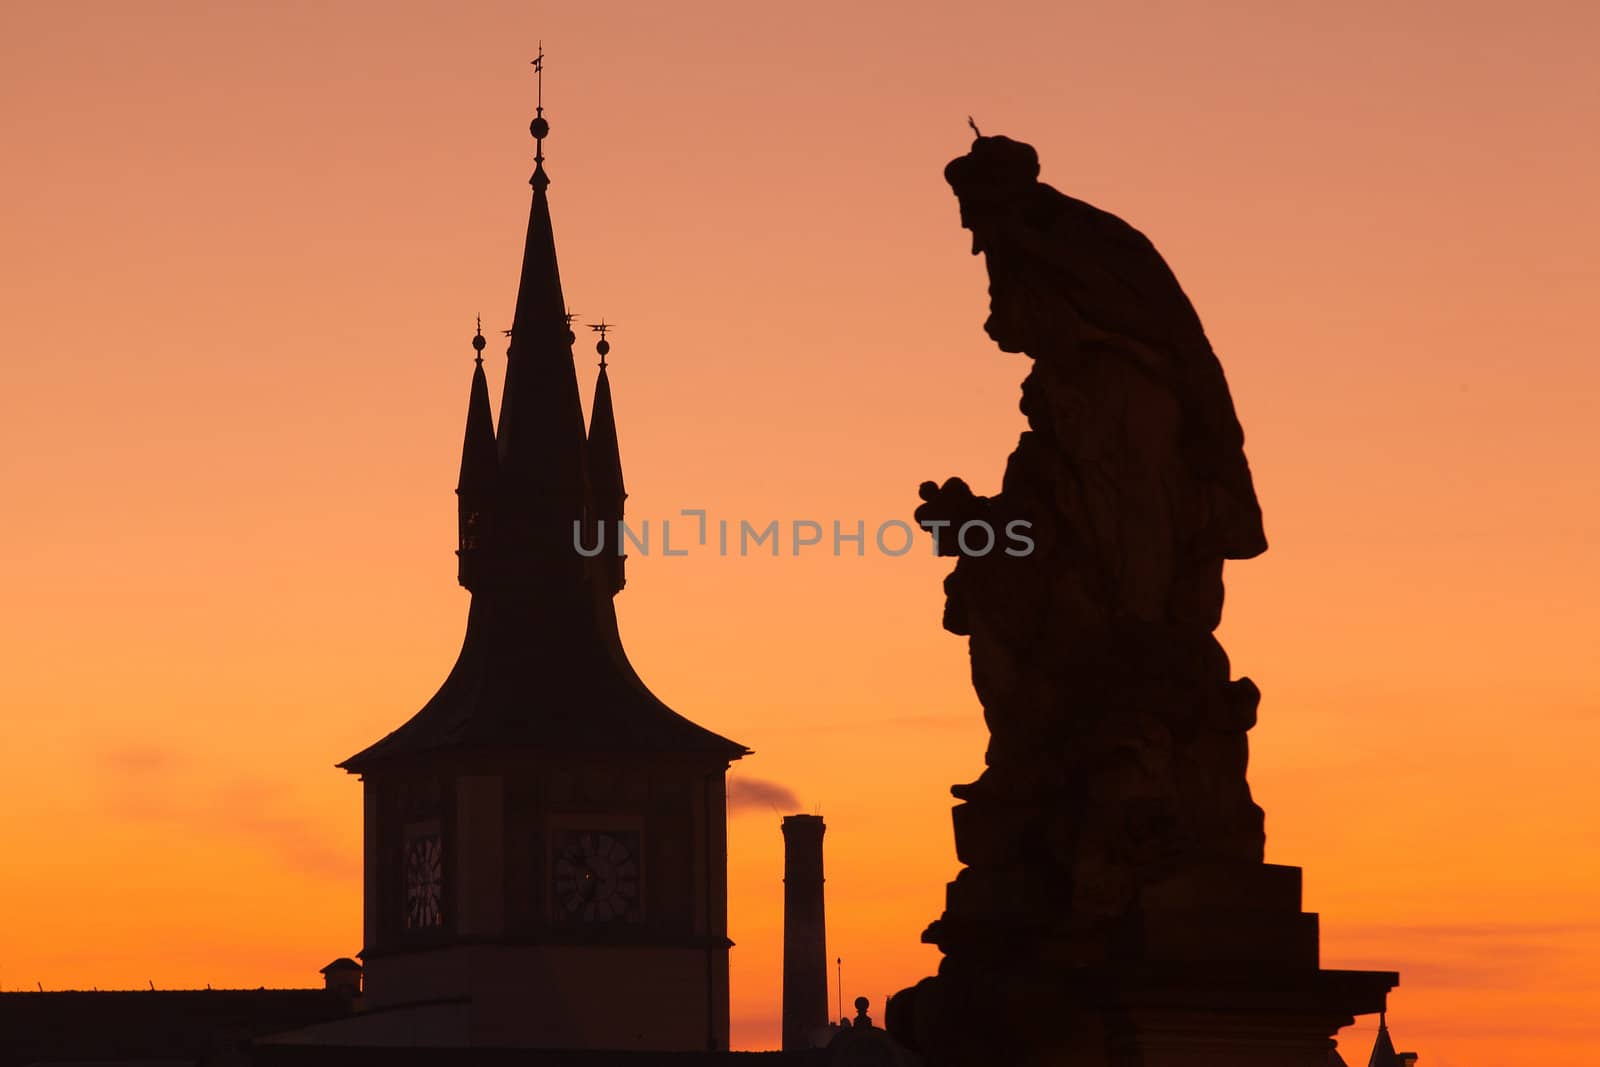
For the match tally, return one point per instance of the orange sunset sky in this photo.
(243, 249)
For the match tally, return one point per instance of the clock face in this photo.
(597, 876)
(424, 877)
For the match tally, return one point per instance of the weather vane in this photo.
(538, 68)
(603, 346)
(539, 127)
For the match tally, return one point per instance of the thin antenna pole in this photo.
(838, 967)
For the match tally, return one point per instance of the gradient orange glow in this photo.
(243, 252)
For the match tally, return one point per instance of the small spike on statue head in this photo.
(975, 131)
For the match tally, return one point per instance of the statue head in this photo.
(994, 183)
(991, 181)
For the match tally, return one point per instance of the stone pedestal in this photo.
(1218, 967)
(1135, 1017)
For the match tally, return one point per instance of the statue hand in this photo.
(947, 507)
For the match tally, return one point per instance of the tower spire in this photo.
(1383, 1053)
(475, 490)
(541, 434)
(605, 467)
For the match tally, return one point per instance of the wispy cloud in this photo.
(1471, 931)
(148, 783)
(757, 794)
(264, 812)
(137, 780)
(137, 759)
(1488, 955)
(911, 720)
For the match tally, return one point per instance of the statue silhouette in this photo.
(1112, 830)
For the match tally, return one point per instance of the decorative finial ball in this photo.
(539, 128)
(862, 1004)
(478, 343)
(604, 348)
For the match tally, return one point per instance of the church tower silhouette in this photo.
(546, 841)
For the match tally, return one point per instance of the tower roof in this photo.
(527, 678)
(542, 666)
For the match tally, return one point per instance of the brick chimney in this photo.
(805, 948)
